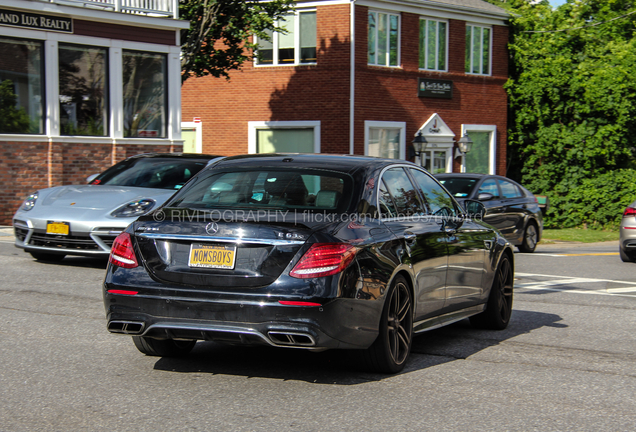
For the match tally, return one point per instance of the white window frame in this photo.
(426, 19)
(198, 132)
(492, 151)
(254, 126)
(51, 41)
(388, 51)
(368, 124)
(275, 37)
(481, 57)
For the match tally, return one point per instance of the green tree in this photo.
(13, 119)
(572, 94)
(218, 38)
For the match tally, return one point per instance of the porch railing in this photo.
(162, 8)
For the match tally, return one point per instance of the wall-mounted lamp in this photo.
(419, 146)
(465, 144)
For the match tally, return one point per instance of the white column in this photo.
(52, 85)
(174, 93)
(116, 93)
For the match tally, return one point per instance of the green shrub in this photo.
(596, 203)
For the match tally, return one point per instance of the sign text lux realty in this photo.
(36, 21)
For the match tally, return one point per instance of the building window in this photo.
(481, 158)
(433, 39)
(83, 90)
(296, 46)
(145, 82)
(21, 87)
(284, 137)
(435, 161)
(477, 50)
(384, 39)
(384, 139)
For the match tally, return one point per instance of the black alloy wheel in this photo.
(530, 238)
(163, 347)
(499, 307)
(391, 349)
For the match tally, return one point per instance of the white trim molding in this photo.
(368, 124)
(254, 126)
(198, 133)
(492, 150)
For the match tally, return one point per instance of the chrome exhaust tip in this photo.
(126, 327)
(291, 339)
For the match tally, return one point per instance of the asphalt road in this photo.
(566, 363)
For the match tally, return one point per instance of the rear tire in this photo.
(499, 307)
(163, 347)
(625, 257)
(530, 238)
(391, 349)
(51, 257)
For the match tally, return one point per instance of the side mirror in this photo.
(475, 209)
(485, 196)
(90, 178)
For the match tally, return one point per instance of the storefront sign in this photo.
(36, 21)
(433, 88)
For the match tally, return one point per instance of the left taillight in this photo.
(122, 253)
(324, 259)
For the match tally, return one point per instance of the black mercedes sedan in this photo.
(307, 251)
(510, 207)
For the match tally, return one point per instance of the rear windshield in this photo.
(459, 187)
(158, 173)
(269, 189)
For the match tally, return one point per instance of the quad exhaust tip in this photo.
(291, 339)
(126, 327)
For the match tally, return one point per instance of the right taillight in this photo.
(629, 211)
(122, 253)
(324, 259)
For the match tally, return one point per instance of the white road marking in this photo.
(560, 284)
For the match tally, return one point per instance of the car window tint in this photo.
(407, 200)
(459, 187)
(387, 206)
(509, 190)
(158, 173)
(438, 200)
(489, 186)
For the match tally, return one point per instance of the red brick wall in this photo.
(26, 167)
(321, 92)
(122, 32)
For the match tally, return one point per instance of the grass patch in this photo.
(578, 235)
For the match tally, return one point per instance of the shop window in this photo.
(21, 87)
(433, 37)
(384, 39)
(384, 139)
(481, 158)
(296, 46)
(299, 140)
(83, 90)
(477, 50)
(145, 82)
(434, 161)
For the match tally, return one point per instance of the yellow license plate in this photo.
(58, 228)
(212, 256)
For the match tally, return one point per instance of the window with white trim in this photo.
(478, 43)
(296, 46)
(433, 44)
(284, 137)
(384, 39)
(384, 139)
(481, 157)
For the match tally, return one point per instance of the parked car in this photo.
(85, 219)
(510, 207)
(307, 251)
(627, 242)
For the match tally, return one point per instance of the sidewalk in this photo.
(6, 234)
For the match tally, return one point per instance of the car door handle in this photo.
(409, 237)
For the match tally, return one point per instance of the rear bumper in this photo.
(338, 323)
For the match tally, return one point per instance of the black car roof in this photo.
(342, 163)
(175, 155)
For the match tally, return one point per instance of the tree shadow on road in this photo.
(458, 341)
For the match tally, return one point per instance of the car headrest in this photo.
(327, 199)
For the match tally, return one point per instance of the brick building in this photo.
(84, 84)
(364, 77)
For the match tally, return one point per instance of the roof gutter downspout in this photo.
(352, 84)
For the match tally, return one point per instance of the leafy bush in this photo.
(596, 203)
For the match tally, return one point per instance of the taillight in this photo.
(122, 253)
(629, 211)
(324, 259)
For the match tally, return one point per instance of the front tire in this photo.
(391, 349)
(51, 257)
(163, 347)
(499, 307)
(530, 238)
